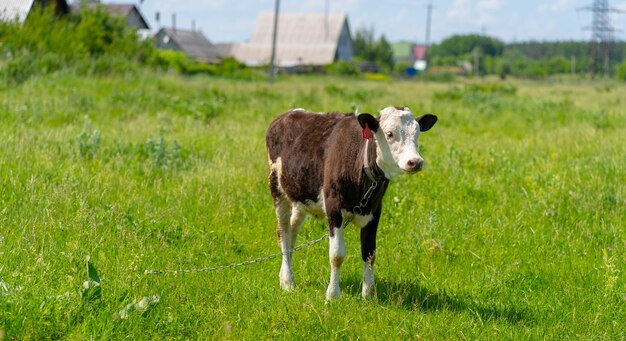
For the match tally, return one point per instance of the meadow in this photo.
(514, 230)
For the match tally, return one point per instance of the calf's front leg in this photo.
(368, 254)
(336, 254)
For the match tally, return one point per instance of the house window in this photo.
(166, 39)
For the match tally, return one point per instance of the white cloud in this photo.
(555, 6)
(345, 5)
(471, 16)
(489, 5)
(461, 9)
(621, 6)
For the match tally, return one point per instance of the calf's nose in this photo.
(415, 164)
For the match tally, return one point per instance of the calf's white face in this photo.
(397, 140)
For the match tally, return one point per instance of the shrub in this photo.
(476, 92)
(231, 68)
(343, 68)
(400, 67)
(441, 76)
(90, 41)
(620, 73)
(171, 60)
(163, 155)
(88, 141)
(18, 69)
(179, 62)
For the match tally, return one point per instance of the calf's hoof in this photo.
(368, 292)
(287, 281)
(288, 285)
(332, 293)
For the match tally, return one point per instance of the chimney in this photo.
(174, 22)
(193, 25)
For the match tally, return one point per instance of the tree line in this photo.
(490, 56)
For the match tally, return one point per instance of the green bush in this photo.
(231, 68)
(343, 68)
(89, 41)
(106, 65)
(163, 155)
(170, 60)
(476, 92)
(18, 69)
(440, 76)
(399, 68)
(88, 141)
(620, 73)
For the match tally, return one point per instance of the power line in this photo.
(601, 34)
(427, 41)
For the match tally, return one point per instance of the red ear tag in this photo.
(367, 132)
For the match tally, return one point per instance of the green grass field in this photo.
(515, 230)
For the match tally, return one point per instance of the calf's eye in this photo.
(389, 135)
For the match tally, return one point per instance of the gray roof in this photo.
(193, 43)
(122, 10)
(226, 49)
(15, 9)
(302, 38)
(19, 9)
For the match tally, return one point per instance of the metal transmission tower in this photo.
(601, 35)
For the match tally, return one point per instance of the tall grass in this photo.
(515, 230)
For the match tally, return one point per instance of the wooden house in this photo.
(20, 9)
(302, 39)
(129, 12)
(193, 43)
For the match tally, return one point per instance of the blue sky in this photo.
(233, 20)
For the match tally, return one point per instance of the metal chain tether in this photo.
(365, 200)
(357, 210)
(236, 265)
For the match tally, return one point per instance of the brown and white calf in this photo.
(324, 164)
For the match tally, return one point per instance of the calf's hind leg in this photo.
(290, 219)
(283, 210)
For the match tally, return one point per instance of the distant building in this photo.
(20, 9)
(418, 52)
(414, 55)
(226, 49)
(402, 51)
(129, 12)
(408, 52)
(193, 43)
(302, 39)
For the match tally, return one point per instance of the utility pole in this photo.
(427, 41)
(476, 66)
(274, 33)
(326, 24)
(601, 35)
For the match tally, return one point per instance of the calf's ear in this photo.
(369, 121)
(426, 121)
